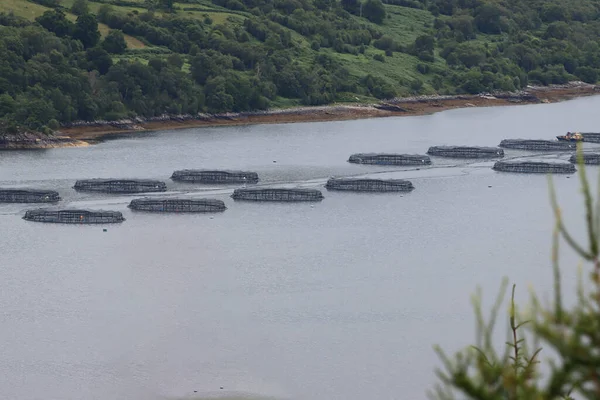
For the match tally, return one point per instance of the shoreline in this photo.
(38, 141)
(94, 132)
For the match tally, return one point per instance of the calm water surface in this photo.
(341, 299)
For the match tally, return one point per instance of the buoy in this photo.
(221, 387)
(104, 230)
(490, 186)
(274, 161)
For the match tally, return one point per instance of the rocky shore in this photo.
(31, 140)
(79, 132)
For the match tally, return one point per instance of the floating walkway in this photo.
(73, 216)
(178, 205)
(466, 152)
(120, 185)
(534, 167)
(537, 145)
(588, 158)
(369, 185)
(28, 196)
(214, 176)
(277, 194)
(389, 159)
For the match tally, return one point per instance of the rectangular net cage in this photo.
(277, 194)
(369, 185)
(178, 205)
(535, 167)
(214, 176)
(389, 159)
(28, 196)
(120, 185)
(74, 216)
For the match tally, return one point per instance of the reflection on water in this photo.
(341, 299)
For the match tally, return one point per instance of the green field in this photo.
(403, 25)
(31, 11)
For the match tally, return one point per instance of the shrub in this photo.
(53, 124)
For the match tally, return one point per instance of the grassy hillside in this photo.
(231, 55)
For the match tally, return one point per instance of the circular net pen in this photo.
(214, 176)
(178, 205)
(277, 194)
(369, 185)
(28, 196)
(74, 216)
(534, 167)
(466, 152)
(588, 158)
(537, 145)
(389, 159)
(120, 185)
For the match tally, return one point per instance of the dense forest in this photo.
(66, 60)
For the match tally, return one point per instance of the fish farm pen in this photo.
(389, 159)
(277, 194)
(534, 167)
(466, 152)
(28, 196)
(213, 176)
(178, 205)
(120, 185)
(591, 137)
(588, 158)
(370, 185)
(74, 216)
(537, 145)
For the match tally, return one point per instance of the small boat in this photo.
(571, 137)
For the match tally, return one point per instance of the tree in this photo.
(374, 11)
(56, 21)
(425, 43)
(86, 30)
(166, 4)
(352, 6)
(488, 18)
(557, 30)
(175, 60)
(114, 42)
(7, 105)
(80, 7)
(98, 59)
(573, 333)
(587, 74)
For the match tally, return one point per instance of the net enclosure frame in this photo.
(588, 158)
(389, 159)
(466, 151)
(74, 216)
(591, 137)
(277, 194)
(369, 185)
(537, 145)
(177, 205)
(534, 167)
(28, 196)
(125, 186)
(214, 176)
